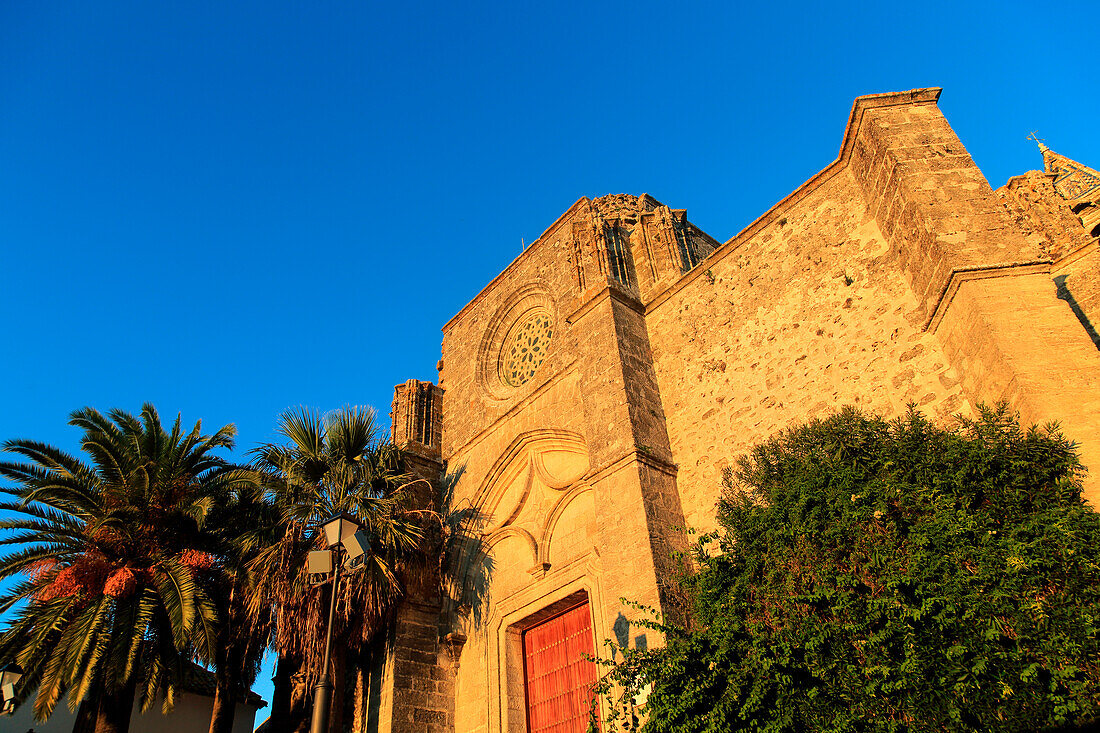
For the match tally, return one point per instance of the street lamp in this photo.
(338, 529)
(9, 678)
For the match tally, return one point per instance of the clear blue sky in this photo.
(232, 208)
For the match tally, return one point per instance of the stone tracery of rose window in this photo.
(525, 348)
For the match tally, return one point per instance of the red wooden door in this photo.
(557, 675)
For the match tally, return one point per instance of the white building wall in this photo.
(191, 715)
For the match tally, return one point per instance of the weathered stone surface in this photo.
(895, 276)
(1043, 215)
(791, 322)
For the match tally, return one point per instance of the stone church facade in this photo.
(590, 396)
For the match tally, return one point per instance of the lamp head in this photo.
(339, 527)
(10, 675)
(357, 546)
(9, 678)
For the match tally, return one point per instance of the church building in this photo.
(592, 393)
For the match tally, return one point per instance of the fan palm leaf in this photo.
(329, 464)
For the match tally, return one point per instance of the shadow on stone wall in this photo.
(621, 629)
(467, 568)
(1066, 295)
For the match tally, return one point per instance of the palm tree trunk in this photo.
(227, 669)
(115, 708)
(225, 705)
(301, 708)
(359, 713)
(86, 715)
(301, 715)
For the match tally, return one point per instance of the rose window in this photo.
(525, 348)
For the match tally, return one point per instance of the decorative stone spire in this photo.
(1076, 183)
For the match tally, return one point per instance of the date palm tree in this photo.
(328, 465)
(113, 561)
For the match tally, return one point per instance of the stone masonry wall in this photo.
(895, 276)
(1077, 278)
(470, 409)
(1049, 221)
(806, 315)
(411, 677)
(983, 283)
(931, 202)
(1043, 216)
(1013, 339)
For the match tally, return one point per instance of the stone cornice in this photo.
(628, 459)
(963, 275)
(1070, 257)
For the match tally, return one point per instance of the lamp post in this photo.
(9, 678)
(337, 529)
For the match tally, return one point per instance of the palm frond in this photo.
(143, 496)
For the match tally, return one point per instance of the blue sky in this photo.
(232, 208)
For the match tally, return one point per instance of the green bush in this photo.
(887, 576)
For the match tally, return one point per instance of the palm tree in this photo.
(329, 465)
(242, 523)
(113, 561)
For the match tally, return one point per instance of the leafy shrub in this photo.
(887, 576)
